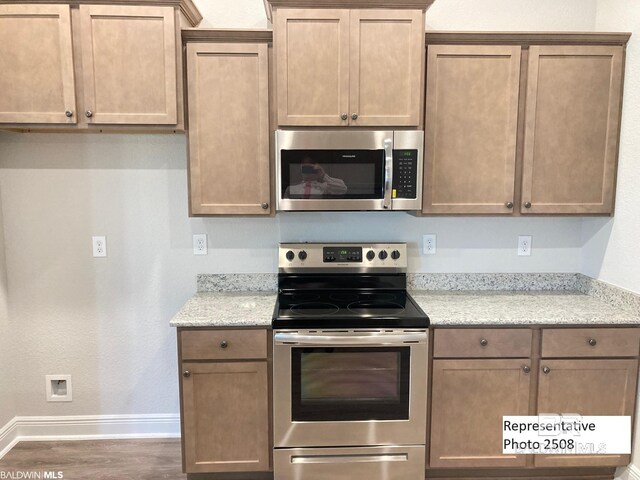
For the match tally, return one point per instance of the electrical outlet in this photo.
(200, 244)
(429, 244)
(58, 388)
(99, 246)
(524, 245)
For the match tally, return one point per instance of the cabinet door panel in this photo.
(129, 64)
(469, 400)
(587, 387)
(228, 128)
(226, 426)
(312, 57)
(386, 56)
(471, 128)
(36, 60)
(571, 133)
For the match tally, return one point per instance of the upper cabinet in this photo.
(129, 64)
(93, 65)
(522, 123)
(36, 64)
(572, 121)
(339, 67)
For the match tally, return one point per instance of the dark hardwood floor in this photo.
(152, 459)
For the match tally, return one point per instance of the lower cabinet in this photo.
(468, 401)
(225, 403)
(581, 371)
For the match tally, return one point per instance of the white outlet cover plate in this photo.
(429, 244)
(524, 245)
(51, 397)
(200, 244)
(99, 246)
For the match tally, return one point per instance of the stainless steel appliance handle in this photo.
(388, 173)
(282, 338)
(349, 458)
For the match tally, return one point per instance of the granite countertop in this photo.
(227, 309)
(247, 309)
(519, 308)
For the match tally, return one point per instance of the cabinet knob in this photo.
(526, 369)
(354, 116)
(224, 344)
(69, 113)
(186, 374)
(484, 342)
(509, 204)
(264, 205)
(344, 116)
(527, 204)
(546, 370)
(592, 342)
(88, 114)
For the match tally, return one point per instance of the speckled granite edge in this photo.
(237, 282)
(515, 282)
(614, 296)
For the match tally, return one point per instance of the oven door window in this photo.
(349, 384)
(332, 174)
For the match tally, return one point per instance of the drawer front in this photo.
(482, 343)
(590, 342)
(223, 344)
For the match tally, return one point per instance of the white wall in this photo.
(105, 321)
(611, 245)
(7, 365)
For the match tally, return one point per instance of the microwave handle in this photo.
(388, 173)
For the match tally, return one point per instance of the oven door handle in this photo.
(282, 338)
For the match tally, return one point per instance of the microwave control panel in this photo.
(405, 174)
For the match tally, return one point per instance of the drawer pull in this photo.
(526, 369)
(484, 342)
(592, 342)
(186, 374)
(546, 370)
(224, 344)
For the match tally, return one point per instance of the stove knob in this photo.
(395, 254)
(382, 255)
(371, 255)
(290, 255)
(302, 255)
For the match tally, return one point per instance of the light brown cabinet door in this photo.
(571, 133)
(226, 418)
(469, 400)
(228, 128)
(312, 65)
(37, 82)
(471, 129)
(586, 387)
(129, 64)
(386, 51)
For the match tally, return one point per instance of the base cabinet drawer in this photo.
(482, 343)
(223, 344)
(590, 342)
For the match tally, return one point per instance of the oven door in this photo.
(334, 170)
(350, 388)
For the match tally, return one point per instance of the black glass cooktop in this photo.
(347, 309)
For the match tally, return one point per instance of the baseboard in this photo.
(88, 427)
(8, 437)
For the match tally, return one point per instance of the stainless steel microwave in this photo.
(349, 170)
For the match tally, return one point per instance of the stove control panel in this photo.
(342, 256)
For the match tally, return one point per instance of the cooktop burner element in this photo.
(336, 286)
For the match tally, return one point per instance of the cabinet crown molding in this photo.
(187, 7)
(526, 38)
(226, 35)
(346, 4)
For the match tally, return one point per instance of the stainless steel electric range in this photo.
(350, 365)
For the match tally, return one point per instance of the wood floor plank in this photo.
(149, 459)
